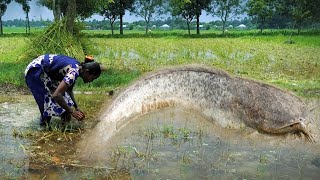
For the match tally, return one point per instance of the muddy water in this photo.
(16, 119)
(166, 144)
(178, 144)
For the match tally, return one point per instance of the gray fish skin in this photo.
(264, 107)
(227, 101)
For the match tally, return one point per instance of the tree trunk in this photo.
(56, 9)
(147, 26)
(27, 23)
(112, 28)
(223, 26)
(299, 24)
(71, 15)
(263, 21)
(1, 28)
(198, 24)
(188, 24)
(121, 28)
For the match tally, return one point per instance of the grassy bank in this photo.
(293, 65)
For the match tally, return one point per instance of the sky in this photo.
(14, 11)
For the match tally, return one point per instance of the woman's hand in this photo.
(79, 115)
(84, 116)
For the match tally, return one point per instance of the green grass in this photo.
(13, 60)
(110, 80)
(265, 57)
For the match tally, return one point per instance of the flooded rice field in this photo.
(16, 120)
(171, 143)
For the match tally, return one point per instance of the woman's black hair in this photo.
(93, 67)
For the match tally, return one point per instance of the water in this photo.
(15, 121)
(178, 144)
(165, 144)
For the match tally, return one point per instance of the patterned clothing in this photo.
(43, 76)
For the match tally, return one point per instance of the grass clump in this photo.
(58, 40)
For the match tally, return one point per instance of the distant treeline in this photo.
(22, 23)
(173, 23)
(184, 14)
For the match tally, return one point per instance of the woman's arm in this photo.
(70, 92)
(58, 97)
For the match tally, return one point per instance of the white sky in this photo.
(14, 11)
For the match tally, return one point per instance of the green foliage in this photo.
(225, 9)
(3, 8)
(148, 10)
(189, 9)
(85, 8)
(262, 10)
(114, 9)
(300, 11)
(25, 5)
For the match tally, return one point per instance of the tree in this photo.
(70, 9)
(225, 9)
(184, 9)
(123, 6)
(200, 5)
(148, 10)
(3, 8)
(189, 9)
(26, 9)
(299, 10)
(55, 6)
(71, 14)
(111, 11)
(314, 5)
(261, 10)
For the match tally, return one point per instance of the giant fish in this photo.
(226, 100)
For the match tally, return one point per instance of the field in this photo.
(282, 58)
(290, 62)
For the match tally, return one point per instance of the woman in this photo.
(51, 79)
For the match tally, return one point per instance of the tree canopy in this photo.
(148, 10)
(263, 13)
(261, 10)
(3, 8)
(189, 9)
